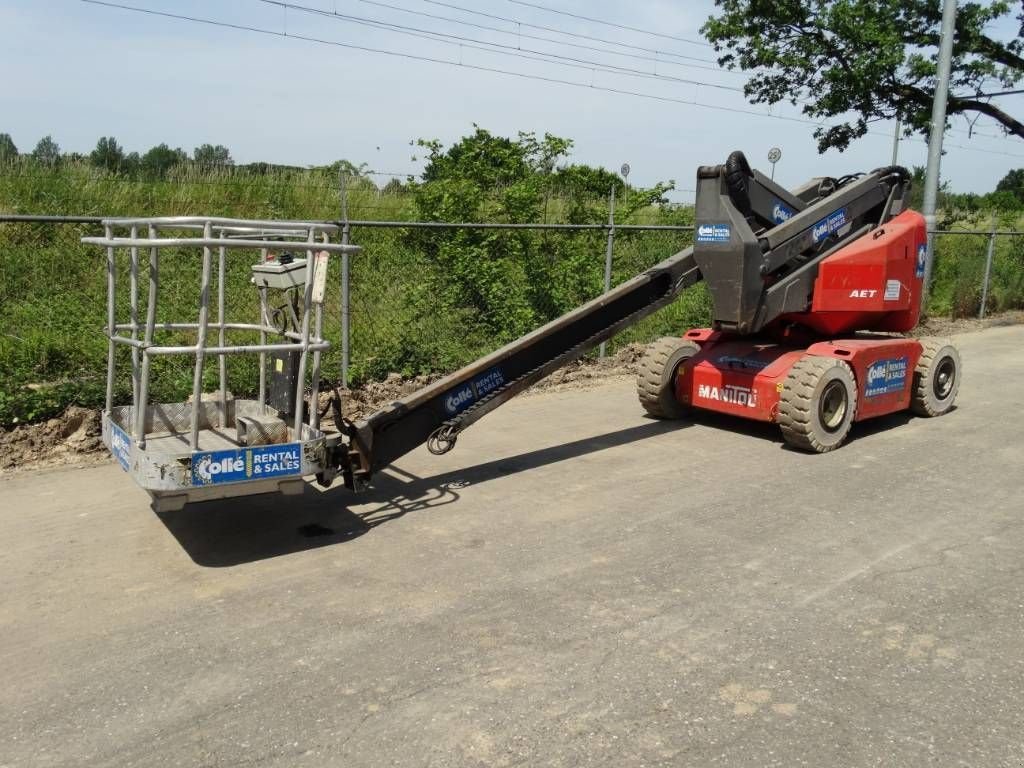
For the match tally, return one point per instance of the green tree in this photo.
(348, 168)
(210, 156)
(875, 59)
(160, 159)
(108, 154)
(132, 163)
(1003, 200)
(47, 151)
(1013, 182)
(7, 149)
(509, 281)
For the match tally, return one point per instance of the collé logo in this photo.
(459, 399)
(781, 212)
(714, 233)
(922, 255)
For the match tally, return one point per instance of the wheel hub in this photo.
(945, 377)
(832, 406)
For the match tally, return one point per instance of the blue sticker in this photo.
(886, 376)
(831, 223)
(714, 233)
(922, 255)
(464, 396)
(120, 446)
(781, 212)
(237, 464)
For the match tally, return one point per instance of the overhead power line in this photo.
(580, 35)
(434, 60)
(504, 50)
(611, 23)
(480, 68)
(519, 34)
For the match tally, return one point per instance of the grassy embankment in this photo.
(53, 288)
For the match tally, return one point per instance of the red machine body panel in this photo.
(744, 377)
(874, 283)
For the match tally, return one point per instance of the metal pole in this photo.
(204, 317)
(133, 300)
(345, 309)
(318, 329)
(988, 269)
(938, 130)
(300, 384)
(608, 253)
(111, 320)
(154, 284)
(222, 362)
(264, 322)
(345, 318)
(896, 141)
(342, 178)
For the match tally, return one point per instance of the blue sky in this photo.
(79, 71)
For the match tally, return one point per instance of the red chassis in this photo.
(746, 377)
(818, 372)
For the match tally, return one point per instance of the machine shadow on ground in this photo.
(229, 532)
(771, 432)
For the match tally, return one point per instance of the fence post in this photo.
(345, 305)
(988, 269)
(608, 253)
(345, 235)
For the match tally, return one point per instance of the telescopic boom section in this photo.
(757, 245)
(437, 413)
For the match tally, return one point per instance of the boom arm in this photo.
(757, 268)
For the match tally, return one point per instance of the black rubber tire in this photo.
(737, 175)
(805, 425)
(655, 380)
(936, 378)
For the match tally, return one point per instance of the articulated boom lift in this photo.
(810, 288)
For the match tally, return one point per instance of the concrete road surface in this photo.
(574, 585)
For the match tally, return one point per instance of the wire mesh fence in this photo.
(422, 300)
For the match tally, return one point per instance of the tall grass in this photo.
(53, 288)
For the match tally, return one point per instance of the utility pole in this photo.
(896, 142)
(931, 179)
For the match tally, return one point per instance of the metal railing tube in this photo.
(264, 321)
(300, 384)
(111, 321)
(222, 365)
(154, 277)
(204, 312)
(210, 242)
(346, 317)
(133, 300)
(314, 384)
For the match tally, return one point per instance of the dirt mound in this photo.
(71, 438)
(371, 396)
(945, 326)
